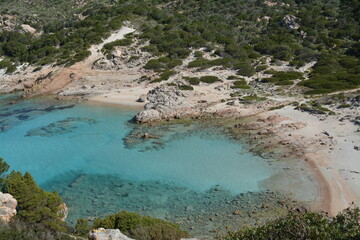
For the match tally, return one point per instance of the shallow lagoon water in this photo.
(61, 143)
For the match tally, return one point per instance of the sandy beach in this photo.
(328, 146)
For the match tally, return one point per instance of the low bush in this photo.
(314, 226)
(17, 229)
(240, 84)
(186, 87)
(164, 76)
(282, 78)
(209, 79)
(192, 80)
(138, 227)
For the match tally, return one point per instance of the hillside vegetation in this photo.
(240, 32)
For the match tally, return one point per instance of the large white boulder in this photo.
(8, 206)
(107, 234)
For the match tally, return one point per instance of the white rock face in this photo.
(107, 234)
(290, 22)
(113, 234)
(7, 207)
(64, 211)
(164, 102)
(148, 116)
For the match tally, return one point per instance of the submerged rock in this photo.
(8, 206)
(60, 127)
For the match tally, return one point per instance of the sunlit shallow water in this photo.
(79, 151)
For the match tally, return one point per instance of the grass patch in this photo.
(282, 78)
(164, 76)
(210, 79)
(192, 80)
(186, 87)
(252, 98)
(240, 84)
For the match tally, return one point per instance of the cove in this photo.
(79, 151)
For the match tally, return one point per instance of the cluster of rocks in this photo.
(7, 22)
(123, 57)
(8, 206)
(164, 102)
(289, 21)
(113, 234)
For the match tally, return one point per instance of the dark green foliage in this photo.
(209, 79)
(314, 226)
(164, 76)
(138, 227)
(21, 230)
(192, 80)
(260, 68)
(34, 204)
(10, 68)
(4, 167)
(186, 87)
(83, 227)
(245, 69)
(334, 73)
(232, 77)
(252, 98)
(314, 108)
(282, 78)
(162, 63)
(240, 84)
(109, 47)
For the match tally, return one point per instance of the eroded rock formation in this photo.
(7, 207)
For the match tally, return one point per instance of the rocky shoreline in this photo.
(277, 122)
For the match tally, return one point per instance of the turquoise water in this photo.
(60, 143)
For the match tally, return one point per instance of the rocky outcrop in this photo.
(148, 116)
(164, 102)
(107, 234)
(289, 21)
(113, 234)
(7, 207)
(64, 211)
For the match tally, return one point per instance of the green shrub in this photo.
(251, 98)
(192, 80)
(240, 84)
(295, 226)
(245, 69)
(186, 87)
(164, 76)
(260, 68)
(10, 68)
(282, 78)
(138, 227)
(109, 47)
(82, 227)
(209, 79)
(232, 77)
(21, 230)
(34, 204)
(4, 167)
